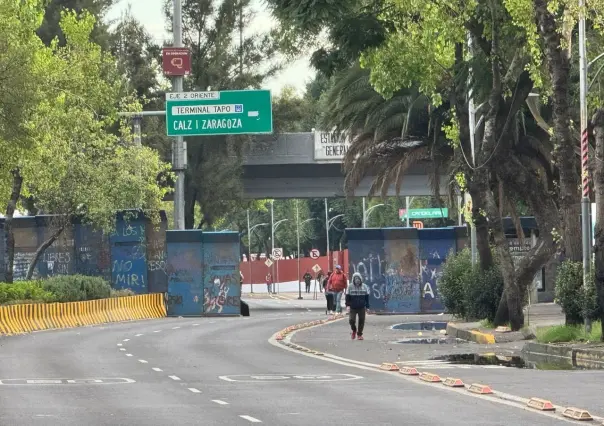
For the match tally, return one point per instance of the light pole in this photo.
(408, 202)
(298, 252)
(368, 212)
(274, 228)
(328, 224)
(249, 247)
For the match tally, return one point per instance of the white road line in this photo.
(251, 419)
(142, 361)
(218, 401)
(157, 369)
(174, 378)
(194, 390)
(157, 331)
(119, 344)
(122, 349)
(175, 328)
(126, 340)
(195, 324)
(128, 354)
(138, 335)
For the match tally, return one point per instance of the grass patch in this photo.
(569, 333)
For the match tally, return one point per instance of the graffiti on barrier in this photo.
(216, 295)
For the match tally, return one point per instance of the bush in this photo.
(125, 292)
(468, 292)
(576, 301)
(29, 291)
(569, 333)
(75, 288)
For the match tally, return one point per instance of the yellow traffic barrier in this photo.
(18, 319)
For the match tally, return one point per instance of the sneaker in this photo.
(360, 337)
(354, 335)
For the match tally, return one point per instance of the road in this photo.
(215, 371)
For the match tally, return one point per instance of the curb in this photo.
(483, 391)
(588, 359)
(471, 335)
(20, 319)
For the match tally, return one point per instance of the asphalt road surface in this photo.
(216, 371)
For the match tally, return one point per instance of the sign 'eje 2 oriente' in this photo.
(232, 112)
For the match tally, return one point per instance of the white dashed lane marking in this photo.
(138, 335)
(218, 401)
(195, 324)
(251, 419)
(175, 328)
(142, 361)
(126, 340)
(174, 378)
(119, 344)
(128, 354)
(157, 331)
(122, 349)
(157, 369)
(194, 390)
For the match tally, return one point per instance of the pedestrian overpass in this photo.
(309, 165)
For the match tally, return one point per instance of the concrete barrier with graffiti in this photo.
(401, 266)
(203, 273)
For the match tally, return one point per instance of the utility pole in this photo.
(298, 253)
(327, 233)
(273, 242)
(179, 160)
(407, 207)
(585, 219)
(364, 220)
(249, 251)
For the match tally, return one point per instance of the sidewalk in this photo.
(566, 388)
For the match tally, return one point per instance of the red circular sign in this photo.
(315, 254)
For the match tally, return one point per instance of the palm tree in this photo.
(388, 136)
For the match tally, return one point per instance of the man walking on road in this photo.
(357, 299)
(337, 285)
(307, 277)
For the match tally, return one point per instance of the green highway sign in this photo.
(231, 112)
(423, 213)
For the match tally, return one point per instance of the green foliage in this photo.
(569, 333)
(468, 292)
(31, 291)
(75, 288)
(576, 301)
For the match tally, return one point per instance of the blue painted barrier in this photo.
(185, 275)
(222, 288)
(402, 265)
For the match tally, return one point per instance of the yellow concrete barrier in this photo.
(18, 319)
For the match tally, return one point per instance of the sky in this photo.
(150, 13)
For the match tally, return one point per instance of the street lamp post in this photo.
(329, 224)
(369, 210)
(298, 237)
(275, 226)
(249, 247)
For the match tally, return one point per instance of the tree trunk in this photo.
(598, 121)
(483, 243)
(513, 292)
(558, 65)
(8, 225)
(40, 251)
(502, 316)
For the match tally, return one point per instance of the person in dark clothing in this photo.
(328, 294)
(357, 299)
(307, 277)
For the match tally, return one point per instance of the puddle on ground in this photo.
(512, 361)
(431, 341)
(421, 326)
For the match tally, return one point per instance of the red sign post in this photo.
(176, 61)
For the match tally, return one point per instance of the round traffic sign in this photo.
(315, 254)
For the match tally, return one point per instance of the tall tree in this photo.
(224, 57)
(51, 28)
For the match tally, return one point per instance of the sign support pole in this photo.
(298, 236)
(179, 160)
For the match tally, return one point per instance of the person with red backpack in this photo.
(337, 284)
